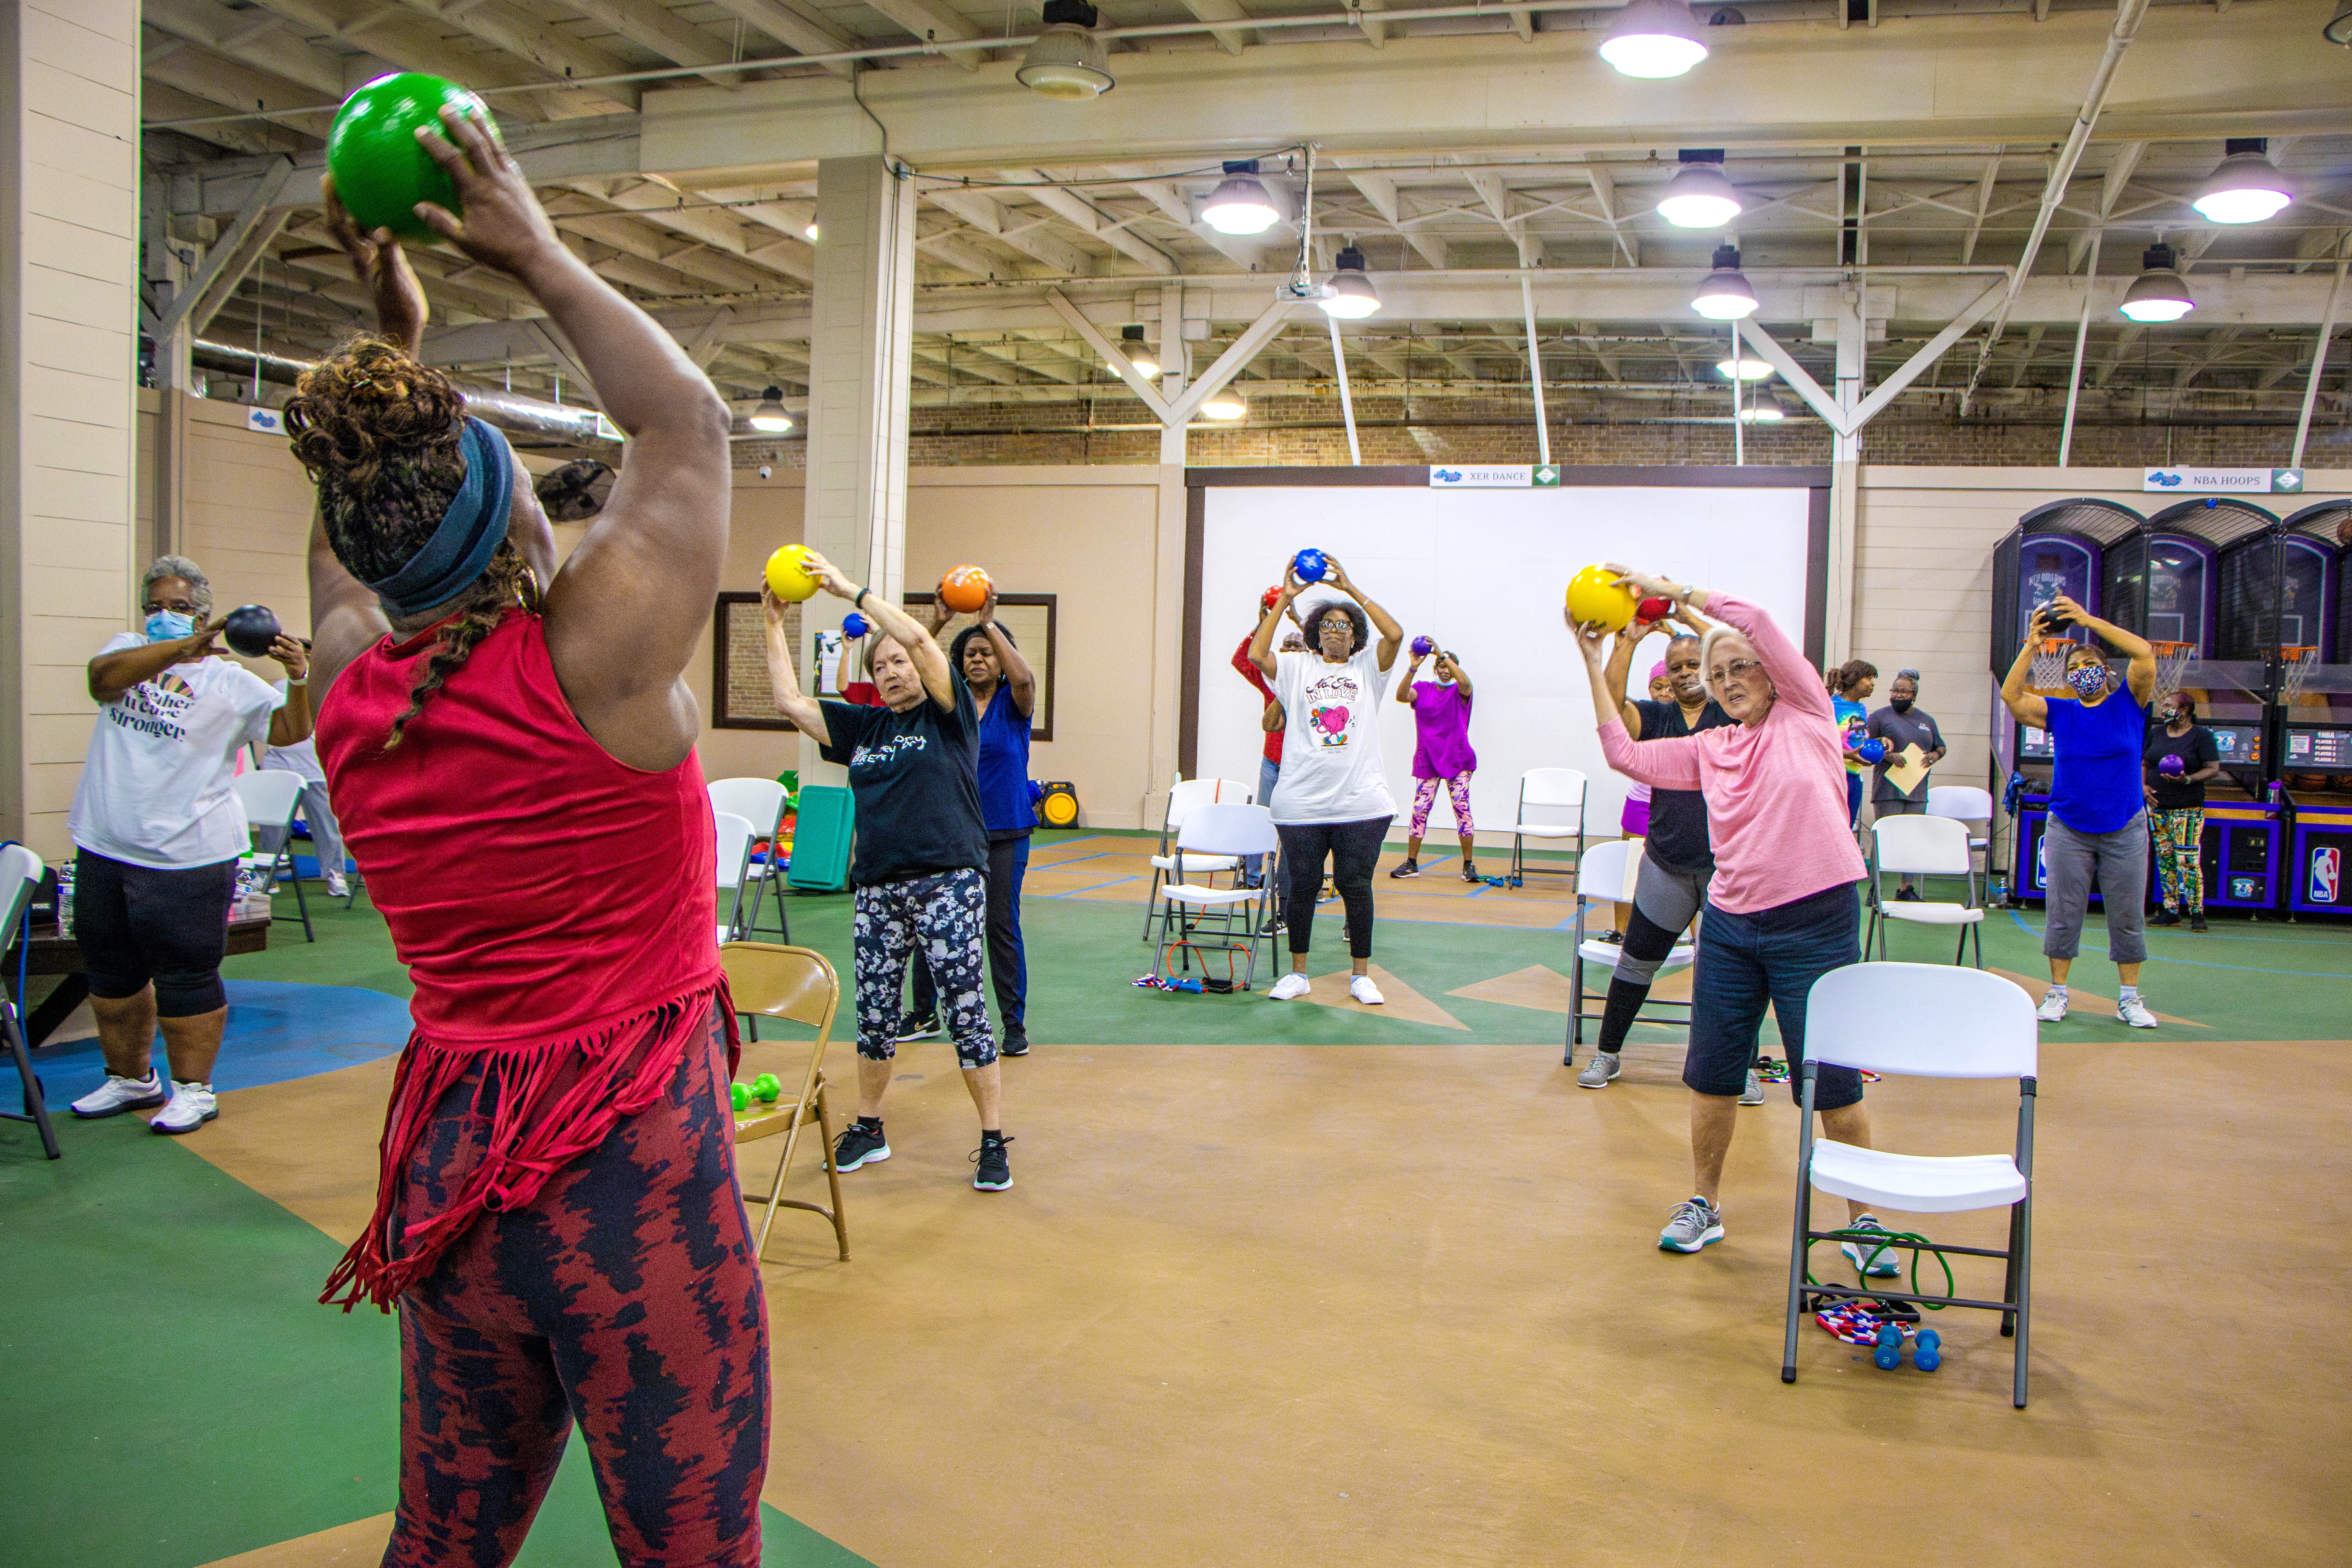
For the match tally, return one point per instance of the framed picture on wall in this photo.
(740, 697)
(1030, 619)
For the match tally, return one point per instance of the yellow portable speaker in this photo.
(1057, 804)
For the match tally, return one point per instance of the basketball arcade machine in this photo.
(2313, 717)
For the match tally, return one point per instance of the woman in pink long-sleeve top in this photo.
(1782, 909)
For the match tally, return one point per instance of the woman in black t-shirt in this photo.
(2174, 768)
(921, 870)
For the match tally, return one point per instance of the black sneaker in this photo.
(1410, 869)
(926, 1028)
(1272, 926)
(996, 1172)
(2197, 920)
(2164, 916)
(1014, 1045)
(1907, 895)
(859, 1146)
(1470, 871)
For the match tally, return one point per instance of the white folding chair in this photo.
(271, 798)
(734, 837)
(1181, 799)
(20, 874)
(1604, 875)
(1965, 804)
(760, 803)
(1922, 847)
(1218, 835)
(1551, 805)
(1957, 1023)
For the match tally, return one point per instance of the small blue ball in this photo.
(854, 625)
(1311, 565)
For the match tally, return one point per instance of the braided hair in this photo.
(378, 431)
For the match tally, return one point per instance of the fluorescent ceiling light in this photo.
(2157, 294)
(1068, 60)
(811, 232)
(770, 415)
(1765, 411)
(2243, 188)
(1698, 196)
(1748, 369)
(1653, 38)
(1349, 295)
(1224, 405)
(1725, 296)
(1138, 351)
(1240, 205)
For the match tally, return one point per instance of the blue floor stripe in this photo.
(276, 1031)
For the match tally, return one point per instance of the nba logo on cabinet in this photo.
(2327, 874)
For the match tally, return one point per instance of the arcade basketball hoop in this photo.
(2172, 660)
(2046, 676)
(2295, 663)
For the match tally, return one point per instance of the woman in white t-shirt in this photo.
(158, 831)
(1332, 799)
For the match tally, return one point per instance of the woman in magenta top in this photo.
(1781, 911)
(1441, 754)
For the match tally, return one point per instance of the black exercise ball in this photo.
(251, 629)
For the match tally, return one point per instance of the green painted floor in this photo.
(171, 1388)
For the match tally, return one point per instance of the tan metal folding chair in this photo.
(772, 982)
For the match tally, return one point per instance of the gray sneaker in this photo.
(1754, 1093)
(1879, 1262)
(1604, 1066)
(1694, 1224)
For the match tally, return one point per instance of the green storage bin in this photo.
(820, 839)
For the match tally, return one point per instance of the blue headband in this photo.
(470, 530)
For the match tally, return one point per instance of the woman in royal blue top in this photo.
(1004, 690)
(2097, 816)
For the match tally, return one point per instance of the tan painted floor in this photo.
(1374, 1305)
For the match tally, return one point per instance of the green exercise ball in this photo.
(381, 173)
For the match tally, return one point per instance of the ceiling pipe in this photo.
(551, 422)
(2129, 14)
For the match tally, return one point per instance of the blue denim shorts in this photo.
(1772, 956)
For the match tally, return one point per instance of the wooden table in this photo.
(47, 952)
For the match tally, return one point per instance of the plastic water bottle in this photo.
(65, 900)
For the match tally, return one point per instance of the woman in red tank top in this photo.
(511, 746)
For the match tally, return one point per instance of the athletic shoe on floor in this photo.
(996, 1172)
(1907, 895)
(859, 1146)
(2133, 1011)
(1878, 1262)
(336, 887)
(1014, 1045)
(1272, 926)
(2053, 1006)
(192, 1106)
(1409, 868)
(1289, 988)
(1615, 938)
(1363, 989)
(1470, 871)
(1604, 1066)
(118, 1094)
(926, 1028)
(1753, 1093)
(2197, 920)
(2164, 916)
(1694, 1224)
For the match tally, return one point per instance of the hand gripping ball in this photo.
(1423, 648)
(854, 625)
(251, 629)
(1871, 750)
(2172, 767)
(1594, 596)
(381, 173)
(965, 589)
(1311, 565)
(788, 574)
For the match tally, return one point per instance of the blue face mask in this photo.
(168, 625)
(2087, 679)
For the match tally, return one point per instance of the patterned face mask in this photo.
(2088, 679)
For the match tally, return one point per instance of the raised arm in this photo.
(1020, 681)
(895, 623)
(1620, 667)
(291, 724)
(112, 674)
(1670, 764)
(1404, 687)
(1261, 647)
(2023, 705)
(1794, 680)
(2140, 675)
(806, 712)
(627, 609)
(1392, 633)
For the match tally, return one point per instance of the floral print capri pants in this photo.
(2179, 835)
(947, 915)
(1425, 796)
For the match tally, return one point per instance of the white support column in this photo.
(1845, 462)
(1175, 375)
(861, 345)
(2082, 336)
(1348, 399)
(1535, 375)
(68, 386)
(2318, 360)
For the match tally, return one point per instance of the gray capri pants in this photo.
(2121, 857)
(1663, 905)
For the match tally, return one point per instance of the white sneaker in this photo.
(336, 887)
(1752, 1093)
(2133, 1011)
(118, 1094)
(192, 1106)
(2053, 1004)
(1363, 989)
(1289, 988)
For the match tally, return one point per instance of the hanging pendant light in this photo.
(1765, 410)
(1138, 351)
(2243, 188)
(1349, 295)
(1224, 403)
(1698, 196)
(1653, 38)
(770, 415)
(1725, 296)
(1240, 205)
(1068, 60)
(2157, 294)
(1743, 367)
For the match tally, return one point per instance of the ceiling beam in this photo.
(934, 22)
(1233, 40)
(649, 25)
(518, 32)
(397, 36)
(795, 29)
(235, 36)
(985, 213)
(1088, 219)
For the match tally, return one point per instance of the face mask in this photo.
(1900, 704)
(2088, 679)
(168, 625)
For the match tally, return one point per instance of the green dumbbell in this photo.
(740, 1096)
(765, 1086)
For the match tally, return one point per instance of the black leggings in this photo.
(1354, 848)
(136, 924)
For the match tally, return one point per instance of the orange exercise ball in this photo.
(1594, 596)
(965, 589)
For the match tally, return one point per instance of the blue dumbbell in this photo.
(1927, 1350)
(1889, 1354)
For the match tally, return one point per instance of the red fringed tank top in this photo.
(555, 909)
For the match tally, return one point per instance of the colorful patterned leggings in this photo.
(626, 1298)
(948, 915)
(2179, 835)
(1425, 796)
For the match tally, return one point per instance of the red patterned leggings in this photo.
(624, 1298)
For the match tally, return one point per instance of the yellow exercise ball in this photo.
(788, 574)
(1594, 596)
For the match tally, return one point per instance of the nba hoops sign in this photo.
(2327, 875)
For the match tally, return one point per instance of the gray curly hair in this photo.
(1910, 675)
(200, 587)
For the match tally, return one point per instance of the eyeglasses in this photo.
(1737, 669)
